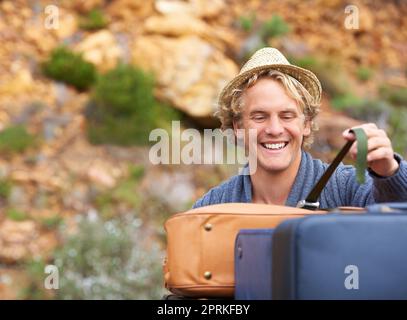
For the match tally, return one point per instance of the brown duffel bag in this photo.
(200, 245)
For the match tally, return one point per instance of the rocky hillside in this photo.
(52, 172)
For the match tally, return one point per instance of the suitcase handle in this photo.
(311, 201)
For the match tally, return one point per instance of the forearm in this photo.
(393, 188)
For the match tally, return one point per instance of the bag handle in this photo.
(311, 202)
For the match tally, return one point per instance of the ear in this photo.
(307, 128)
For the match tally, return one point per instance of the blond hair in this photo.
(232, 110)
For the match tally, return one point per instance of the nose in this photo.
(274, 126)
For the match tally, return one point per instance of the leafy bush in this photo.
(364, 73)
(398, 130)
(5, 188)
(329, 72)
(246, 22)
(52, 223)
(386, 116)
(94, 20)
(275, 27)
(123, 110)
(15, 139)
(346, 102)
(307, 62)
(396, 96)
(16, 215)
(136, 172)
(34, 289)
(124, 195)
(368, 110)
(69, 67)
(265, 32)
(109, 260)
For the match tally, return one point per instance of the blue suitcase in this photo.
(337, 256)
(252, 246)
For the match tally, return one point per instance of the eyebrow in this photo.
(285, 110)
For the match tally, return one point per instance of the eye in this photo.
(288, 116)
(258, 117)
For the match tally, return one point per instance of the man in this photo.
(281, 102)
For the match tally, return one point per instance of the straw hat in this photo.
(272, 59)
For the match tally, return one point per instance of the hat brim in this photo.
(308, 79)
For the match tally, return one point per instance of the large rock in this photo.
(101, 49)
(129, 11)
(181, 25)
(23, 240)
(199, 8)
(85, 6)
(83, 160)
(41, 38)
(68, 24)
(367, 20)
(175, 25)
(189, 71)
(19, 82)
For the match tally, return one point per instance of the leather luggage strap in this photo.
(311, 202)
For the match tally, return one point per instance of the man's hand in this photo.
(380, 156)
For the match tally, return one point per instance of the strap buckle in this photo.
(308, 205)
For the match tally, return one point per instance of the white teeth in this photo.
(274, 146)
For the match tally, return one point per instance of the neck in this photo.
(274, 187)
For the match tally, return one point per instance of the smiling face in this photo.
(279, 122)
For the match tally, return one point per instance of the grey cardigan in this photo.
(342, 188)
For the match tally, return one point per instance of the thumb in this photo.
(348, 135)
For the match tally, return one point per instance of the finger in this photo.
(372, 144)
(378, 142)
(350, 136)
(379, 154)
(368, 126)
(347, 135)
(370, 129)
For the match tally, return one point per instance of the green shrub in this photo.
(266, 31)
(52, 222)
(307, 62)
(121, 199)
(5, 188)
(346, 101)
(123, 110)
(396, 96)
(398, 130)
(246, 22)
(109, 260)
(16, 139)
(368, 110)
(35, 290)
(16, 215)
(69, 67)
(329, 72)
(94, 20)
(124, 194)
(364, 73)
(386, 116)
(136, 172)
(275, 27)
